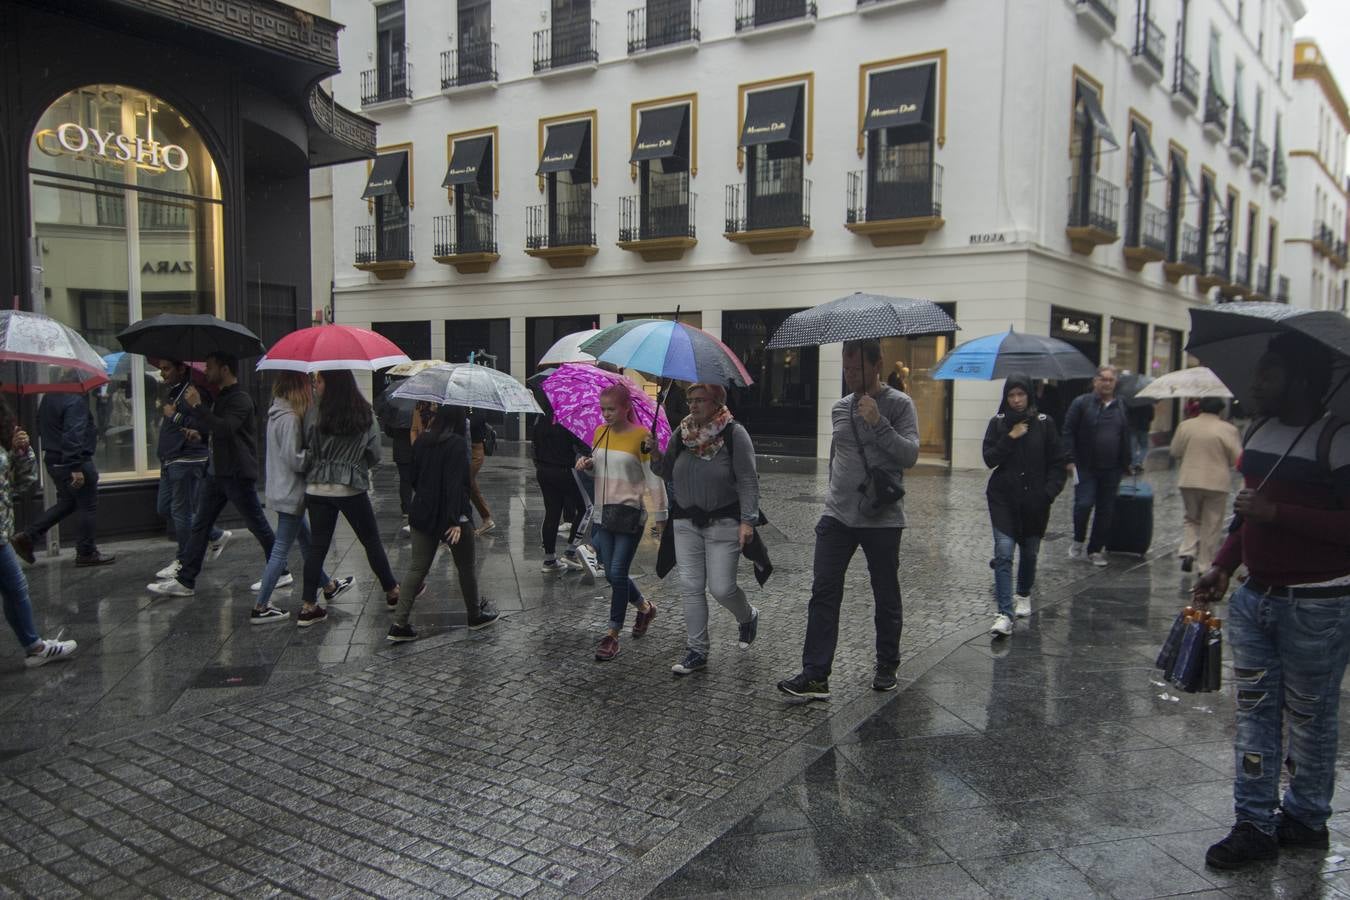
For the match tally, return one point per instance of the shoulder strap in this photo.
(1334, 424)
(1253, 428)
(858, 437)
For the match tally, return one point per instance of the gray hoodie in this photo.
(285, 460)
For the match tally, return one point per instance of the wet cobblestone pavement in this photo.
(187, 754)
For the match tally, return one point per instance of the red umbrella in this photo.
(325, 347)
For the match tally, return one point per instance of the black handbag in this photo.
(620, 518)
(879, 488)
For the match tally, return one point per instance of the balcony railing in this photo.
(469, 64)
(454, 235)
(1152, 233)
(386, 84)
(1189, 251)
(1260, 156)
(1263, 280)
(899, 191)
(663, 26)
(1242, 134)
(1095, 204)
(651, 218)
(1220, 265)
(153, 213)
(1185, 79)
(1278, 171)
(1216, 111)
(1340, 251)
(565, 45)
(569, 224)
(1103, 9)
(1282, 289)
(768, 203)
(758, 13)
(1149, 43)
(1243, 276)
(1322, 234)
(390, 243)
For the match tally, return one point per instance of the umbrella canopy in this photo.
(567, 349)
(1010, 353)
(1230, 337)
(860, 316)
(574, 393)
(394, 412)
(41, 355)
(403, 370)
(118, 365)
(324, 347)
(1128, 387)
(665, 349)
(173, 336)
(1197, 381)
(465, 384)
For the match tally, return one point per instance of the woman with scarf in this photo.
(714, 507)
(1023, 448)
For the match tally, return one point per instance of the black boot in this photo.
(484, 616)
(1244, 845)
(1290, 832)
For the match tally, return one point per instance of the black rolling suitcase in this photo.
(1132, 525)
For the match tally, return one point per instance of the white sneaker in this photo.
(1098, 559)
(169, 571)
(215, 548)
(1021, 606)
(286, 580)
(572, 562)
(1002, 625)
(405, 530)
(1077, 550)
(52, 651)
(565, 529)
(173, 588)
(487, 526)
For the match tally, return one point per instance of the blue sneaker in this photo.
(692, 662)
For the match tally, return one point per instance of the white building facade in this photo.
(550, 165)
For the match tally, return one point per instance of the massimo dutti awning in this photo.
(562, 149)
(1093, 107)
(660, 133)
(469, 161)
(770, 115)
(897, 98)
(1144, 144)
(389, 175)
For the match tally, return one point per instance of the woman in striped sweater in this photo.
(621, 461)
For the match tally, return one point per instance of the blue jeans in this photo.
(1096, 488)
(289, 529)
(1288, 659)
(177, 500)
(1004, 544)
(616, 552)
(14, 588)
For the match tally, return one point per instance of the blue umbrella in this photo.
(118, 365)
(1010, 353)
(668, 350)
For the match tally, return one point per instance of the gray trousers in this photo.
(423, 554)
(707, 559)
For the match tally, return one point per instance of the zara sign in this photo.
(74, 138)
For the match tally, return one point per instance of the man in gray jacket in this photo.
(875, 427)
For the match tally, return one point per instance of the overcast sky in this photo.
(1329, 22)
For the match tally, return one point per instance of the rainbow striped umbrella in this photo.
(663, 349)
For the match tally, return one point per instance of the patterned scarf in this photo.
(705, 440)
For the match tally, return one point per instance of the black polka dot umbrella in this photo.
(859, 316)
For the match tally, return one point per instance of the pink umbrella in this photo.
(325, 347)
(574, 393)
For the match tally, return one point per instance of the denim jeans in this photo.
(1288, 659)
(707, 559)
(616, 552)
(1096, 488)
(179, 485)
(289, 528)
(1004, 545)
(835, 545)
(68, 500)
(14, 589)
(215, 491)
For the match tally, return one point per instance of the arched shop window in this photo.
(126, 224)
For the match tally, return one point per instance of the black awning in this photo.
(662, 134)
(1145, 146)
(563, 148)
(470, 162)
(389, 175)
(1093, 107)
(898, 97)
(770, 116)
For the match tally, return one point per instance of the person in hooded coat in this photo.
(1024, 449)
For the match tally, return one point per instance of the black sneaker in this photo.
(1290, 832)
(399, 633)
(692, 662)
(1188, 564)
(268, 616)
(339, 586)
(487, 614)
(801, 686)
(884, 679)
(749, 630)
(1244, 845)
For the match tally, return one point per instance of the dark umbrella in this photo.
(860, 316)
(1011, 353)
(173, 336)
(1229, 338)
(394, 412)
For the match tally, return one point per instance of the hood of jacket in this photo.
(285, 489)
(1023, 382)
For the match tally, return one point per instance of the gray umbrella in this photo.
(469, 385)
(859, 316)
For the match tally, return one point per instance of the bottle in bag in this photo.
(1213, 675)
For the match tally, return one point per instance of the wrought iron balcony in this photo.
(469, 64)
(1094, 204)
(1151, 231)
(1149, 44)
(1340, 251)
(1220, 264)
(1324, 239)
(387, 244)
(1263, 280)
(1260, 157)
(1241, 139)
(1100, 12)
(387, 84)
(653, 218)
(1278, 172)
(454, 235)
(665, 25)
(768, 204)
(565, 45)
(1282, 289)
(1190, 247)
(758, 13)
(1243, 276)
(569, 224)
(1185, 80)
(1216, 114)
(897, 191)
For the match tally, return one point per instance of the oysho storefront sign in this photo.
(70, 137)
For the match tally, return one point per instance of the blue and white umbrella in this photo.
(1010, 353)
